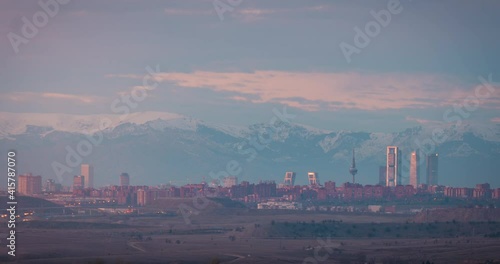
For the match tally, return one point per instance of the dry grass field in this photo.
(229, 235)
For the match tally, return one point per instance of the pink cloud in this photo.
(314, 91)
(317, 90)
(30, 96)
(135, 89)
(239, 98)
(256, 14)
(422, 121)
(252, 14)
(129, 76)
(187, 12)
(80, 98)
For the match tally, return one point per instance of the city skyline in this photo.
(30, 185)
(233, 131)
(391, 173)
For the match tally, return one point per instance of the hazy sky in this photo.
(260, 55)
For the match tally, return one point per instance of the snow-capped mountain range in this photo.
(17, 123)
(157, 147)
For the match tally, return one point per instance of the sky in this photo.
(337, 65)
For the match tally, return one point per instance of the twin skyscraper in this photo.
(393, 168)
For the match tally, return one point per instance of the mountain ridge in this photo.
(164, 147)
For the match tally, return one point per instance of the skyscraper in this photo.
(29, 184)
(352, 170)
(414, 169)
(382, 175)
(393, 166)
(431, 168)
(313, 178)
(124, 179)
(289, 178)
(88, 172)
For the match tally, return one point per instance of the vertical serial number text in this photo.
(11, 202)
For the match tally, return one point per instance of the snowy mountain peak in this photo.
(151, 143)
(19, 123)
(44, 123)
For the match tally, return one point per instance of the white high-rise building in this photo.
(414, 169)
(313, 178)
(88, 172)
(289, 178)
(393, 166)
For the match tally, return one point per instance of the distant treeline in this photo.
(332, 228)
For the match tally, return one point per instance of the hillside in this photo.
(29, 202)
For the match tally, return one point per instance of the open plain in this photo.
(240, 235)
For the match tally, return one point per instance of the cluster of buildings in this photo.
(481, 191)
(31, 185)
(390, 174)
(268, 194)
(84, 180)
